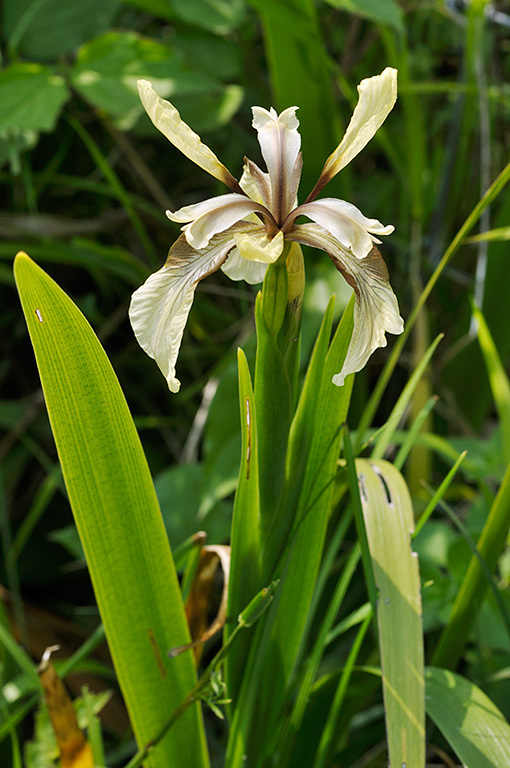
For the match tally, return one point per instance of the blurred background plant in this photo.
(85, 181)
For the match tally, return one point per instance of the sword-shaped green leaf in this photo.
(117, 515)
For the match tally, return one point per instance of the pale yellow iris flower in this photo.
(244, 231)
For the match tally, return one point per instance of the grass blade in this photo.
(496, 187)
(474, 585)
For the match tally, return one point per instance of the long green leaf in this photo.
(279, 640)
(468, 720)
(388, 513)
(245, 537)
(117, 516)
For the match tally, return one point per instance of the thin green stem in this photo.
(116, 185)
(249, 616)
(327, 737)
(472, 590)
(438, 495)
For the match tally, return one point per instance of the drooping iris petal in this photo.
(213, 216)
(345, 222)
(166, 118)
(376, 309)
(377, 96)
(159, 308)
(280, 143)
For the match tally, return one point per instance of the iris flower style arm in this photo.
(245, 230)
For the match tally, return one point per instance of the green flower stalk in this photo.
(246, 230)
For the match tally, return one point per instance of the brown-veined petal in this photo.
(255, 183)
(345, 222)
(212, 216)
(166, 118)
(280, 143)
(376, 309)
(160, 307)
(377, 96)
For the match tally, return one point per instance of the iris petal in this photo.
(280, 143)
(213, 216)
(345, 222)
(376, 309)
(166, 118)
(377, 96)
(237, 268)
(160, 307)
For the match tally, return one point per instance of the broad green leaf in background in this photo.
(386, 12)
(181, 490)
(107, 68)
(467, 718)
(389, 522)
(219, 16)
(32, 96)
(46, 29)
(118, 518)
(161, 8)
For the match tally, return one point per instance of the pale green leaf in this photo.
(467, 718)
(388, 514)
(32, 96)
(107, 68)
(386, 12)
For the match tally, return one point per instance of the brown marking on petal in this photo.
(260, 180)
(346, 275)
(373, 263)
(181, 252)
(293, 182)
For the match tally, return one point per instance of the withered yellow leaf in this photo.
(75, 750)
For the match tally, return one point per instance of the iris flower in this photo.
(245, 230)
